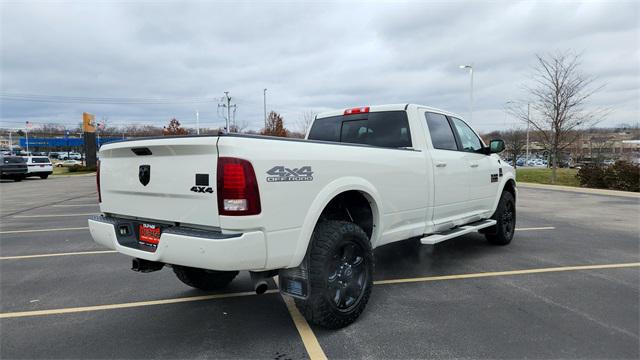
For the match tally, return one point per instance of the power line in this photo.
(99, 100)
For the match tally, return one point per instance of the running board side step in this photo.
(455, 232)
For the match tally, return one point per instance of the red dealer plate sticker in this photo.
(149, 233)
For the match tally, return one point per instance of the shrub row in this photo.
(620, 176)
(79, 168)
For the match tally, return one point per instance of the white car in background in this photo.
(39, 166)
(69, 163)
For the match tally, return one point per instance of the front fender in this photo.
(505, 180)
(328, 193)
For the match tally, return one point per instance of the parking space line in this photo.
(536, 228)
(42, 230)
(309, 339)
(506, 273)
(72, 205)
(127, 305)
(57, 254)
(252, 293)
(53, 215)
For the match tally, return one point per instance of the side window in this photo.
(326, 129)
(468, 138)
(441, 133)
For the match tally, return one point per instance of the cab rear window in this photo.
(384, 129)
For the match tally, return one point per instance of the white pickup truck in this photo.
(309, 210)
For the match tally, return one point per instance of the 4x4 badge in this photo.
(281, 173)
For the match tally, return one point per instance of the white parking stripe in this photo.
(536, 228)
(58, 254)
(42, 230)
(53, 215)
(71, 205)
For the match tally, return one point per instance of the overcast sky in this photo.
(312, 56)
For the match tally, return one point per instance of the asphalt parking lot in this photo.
(567, 287)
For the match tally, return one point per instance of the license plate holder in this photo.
(149, 234)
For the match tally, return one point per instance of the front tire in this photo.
(340, 262)
(204, 279)
(505, 216)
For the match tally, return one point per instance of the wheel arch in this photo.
(343, 188)
(508, 184)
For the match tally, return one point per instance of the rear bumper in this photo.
(194, 248)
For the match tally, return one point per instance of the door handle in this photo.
(474, 165)
(441, 164)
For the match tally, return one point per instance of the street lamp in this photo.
(470, 67)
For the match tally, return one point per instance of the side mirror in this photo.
(496, 146)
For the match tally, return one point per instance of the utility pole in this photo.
(227, 105)
(265, 107)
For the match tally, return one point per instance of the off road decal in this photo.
(281, 173)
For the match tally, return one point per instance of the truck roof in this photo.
(387, 107)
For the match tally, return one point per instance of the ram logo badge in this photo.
(281, 173)
(144, 174)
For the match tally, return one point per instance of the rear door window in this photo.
(384, 129)
(441, 133)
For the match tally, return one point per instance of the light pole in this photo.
(470, 67)
(264, 94)
(528, 122)
(197, 123)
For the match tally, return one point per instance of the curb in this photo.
(79, 175)
(606, 192)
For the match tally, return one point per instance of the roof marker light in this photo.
(358, 110)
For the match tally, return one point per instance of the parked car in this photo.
(69, 155)
(12, 167)
(309, 210)
(69, 163)
(39, 166)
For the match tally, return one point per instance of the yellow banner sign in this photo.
(88, 122)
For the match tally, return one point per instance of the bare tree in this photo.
(515, 140)
(559, 96)
(302, 126)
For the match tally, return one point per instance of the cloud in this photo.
(310, 56)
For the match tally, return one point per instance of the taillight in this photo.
(237, 187)
(358, 110)
(98, 180)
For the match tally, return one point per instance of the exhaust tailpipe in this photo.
(260, 281)
(145, 266)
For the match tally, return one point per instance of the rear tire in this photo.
(18, 178)
(505, 216)
(204, 279)
(44, 176)
(340, 274)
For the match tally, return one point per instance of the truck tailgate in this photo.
(165, 179)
